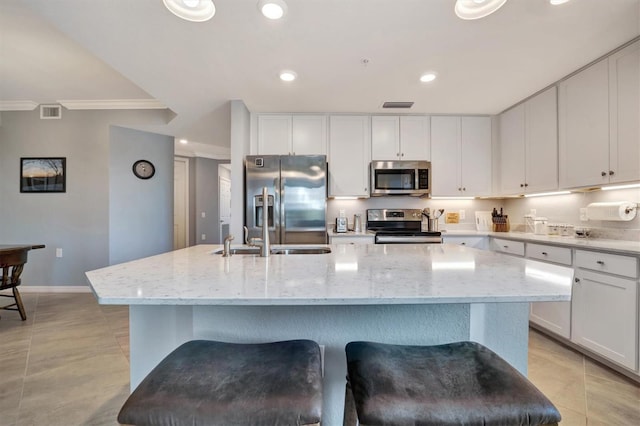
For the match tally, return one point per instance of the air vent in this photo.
(397, 105)
(50, 112)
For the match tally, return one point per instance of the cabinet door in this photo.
(309, 135)
(274, 134)
(583, 120)
(603, 316)
(624, 104)
(415, 144)
(349, 156)
(475, 156)
(445, 156)
(553, 316)
(541, 142)
(385, 137)
(512, 151)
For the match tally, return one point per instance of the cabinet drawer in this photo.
(477, 242)
(626, 266)
(549, 253)
(508, 246)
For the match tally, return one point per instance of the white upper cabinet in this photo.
(286, 134)
(529, 146)
(599, 113)
(624, 113)
(461, 156)
(349, 155)
(400, 137)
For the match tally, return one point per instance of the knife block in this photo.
(500, 224)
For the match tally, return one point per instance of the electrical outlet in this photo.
(583, 214)
(58, 252)
(203, 237)
(462, 214)
(533, 212)
(203, 214)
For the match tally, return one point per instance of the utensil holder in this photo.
(501, 224)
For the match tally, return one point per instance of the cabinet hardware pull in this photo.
(603, 173)
(600, 262)
(522, 185)
(576, 280)
(545, 253)
(611, 173)
(505, 246)
(526, 184)
(459, 189)
(463, 244)
(403, 154)
(464, 189)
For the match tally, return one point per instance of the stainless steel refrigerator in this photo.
(297, 201)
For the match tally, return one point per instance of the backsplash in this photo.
(557, 209)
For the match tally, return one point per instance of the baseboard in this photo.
(54, 289)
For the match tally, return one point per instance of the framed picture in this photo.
(47, 174)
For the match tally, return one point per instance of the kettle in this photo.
(357, 223)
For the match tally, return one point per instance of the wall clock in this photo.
(144, 169)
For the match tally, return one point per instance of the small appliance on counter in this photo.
(341, 225)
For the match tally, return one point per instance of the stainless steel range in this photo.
(400, 226)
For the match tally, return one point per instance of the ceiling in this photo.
(136, 49)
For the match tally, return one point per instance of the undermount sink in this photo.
(279, 250)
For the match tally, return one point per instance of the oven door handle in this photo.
(398, 239)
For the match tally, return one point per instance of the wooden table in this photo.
(12, 260)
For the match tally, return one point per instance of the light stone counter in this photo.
(624, 247)
(401, 294)
(349, 275)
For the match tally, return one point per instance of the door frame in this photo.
(186, 200)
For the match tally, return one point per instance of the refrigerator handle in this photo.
(280, 187)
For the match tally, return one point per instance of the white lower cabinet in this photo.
(604, 316)
(552, 316)
(604, 313)
(468, 241)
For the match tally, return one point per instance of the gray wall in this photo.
(140, 210)
(76, 221)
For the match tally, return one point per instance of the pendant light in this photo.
(191, 10)
(476, 9)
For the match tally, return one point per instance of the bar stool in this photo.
(461, 383)
(11, 266)
(205, 382)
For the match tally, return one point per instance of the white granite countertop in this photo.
(614, 246)
(349, 275)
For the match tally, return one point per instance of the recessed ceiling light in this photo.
(476, 9)
(184, 141)
(288, 76)
(272, 9)
(557, 2)
(428, 77)
(191, 10)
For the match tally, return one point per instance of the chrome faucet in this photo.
(263, 243)
(227, 246)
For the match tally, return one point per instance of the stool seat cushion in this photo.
(461, 383)
(214, 383)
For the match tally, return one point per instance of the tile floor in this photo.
(68, 365)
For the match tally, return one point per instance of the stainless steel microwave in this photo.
(401, 178)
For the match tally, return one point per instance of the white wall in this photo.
(240, 139)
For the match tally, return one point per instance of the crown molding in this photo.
(18, 105)
(113, 104)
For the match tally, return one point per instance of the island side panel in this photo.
(333, 327)
(504, 328)
(154, 331)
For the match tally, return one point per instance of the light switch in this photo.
(462, 214)
(203, 237)
(58, 252)
(203, 214)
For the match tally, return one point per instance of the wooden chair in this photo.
(12, 263)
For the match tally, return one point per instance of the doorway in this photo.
(224, 200)
(180, 203)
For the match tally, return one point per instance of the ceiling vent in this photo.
(397, 105)
(50, 112)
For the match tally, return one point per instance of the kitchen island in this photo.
(404, 294)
